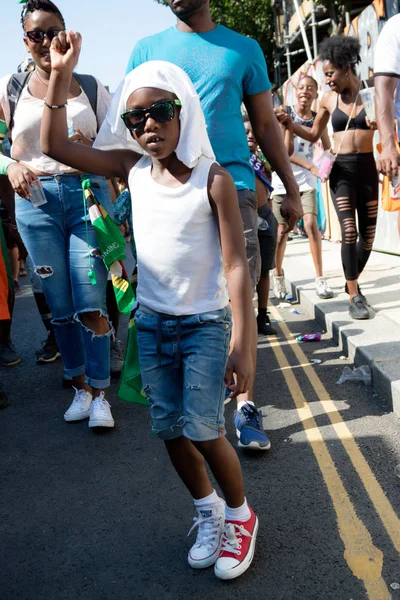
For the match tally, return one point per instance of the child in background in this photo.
(189, 237)
(267, 229)
(306, 176)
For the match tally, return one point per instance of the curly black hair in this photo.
(45, 5)
(342, 51)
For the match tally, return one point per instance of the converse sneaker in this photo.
(237, 550)
(211, 523)
(100, 413)
(80, 407)
(278, 282)
(116, 357)
(323, 290)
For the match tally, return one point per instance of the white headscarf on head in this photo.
(193, 141)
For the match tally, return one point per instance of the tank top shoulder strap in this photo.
(142, 164)
(201, 172)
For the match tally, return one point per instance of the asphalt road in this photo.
(102, 516)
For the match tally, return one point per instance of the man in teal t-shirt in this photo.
(227, 69)
(224, 66)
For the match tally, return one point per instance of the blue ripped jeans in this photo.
(57, 237)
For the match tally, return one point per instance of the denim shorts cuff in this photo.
(99, 384)
(198, 430)
(75, 372)
(171, 431)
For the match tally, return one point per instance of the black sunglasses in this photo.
(37, 35)
(162, 112)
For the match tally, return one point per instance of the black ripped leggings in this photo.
(354, 187)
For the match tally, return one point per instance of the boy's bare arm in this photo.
(224, 201)
(65, 50)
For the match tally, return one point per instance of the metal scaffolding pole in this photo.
(314, 29)
(303, 32)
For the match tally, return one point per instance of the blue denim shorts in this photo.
(183, 361)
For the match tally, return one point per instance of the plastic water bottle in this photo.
(310, 337)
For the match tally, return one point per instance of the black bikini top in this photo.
(340, 119)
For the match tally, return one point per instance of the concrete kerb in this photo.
(375, 342)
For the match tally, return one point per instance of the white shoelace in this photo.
(80, 398)
(100, 404)
(209, 528)
(231, 542)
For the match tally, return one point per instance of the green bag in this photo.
(130, 387)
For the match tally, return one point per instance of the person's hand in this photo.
(240, 363)
(65, 50)
(372, 124)
(314, 171)
(282, 116)
(388, 162)
(291, 209)
(20, 178)
(79, 138)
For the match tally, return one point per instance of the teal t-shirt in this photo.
(224, 67)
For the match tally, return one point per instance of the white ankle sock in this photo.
(238, 514)
(211, 499)
(241, 403)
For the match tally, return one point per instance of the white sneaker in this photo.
(80, 407)
(323, 290)
(278, 282)
(100, 413)
(116, 356)
(211, 524)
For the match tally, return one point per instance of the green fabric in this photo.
(124, 298)
(111, 241)
(130, 387)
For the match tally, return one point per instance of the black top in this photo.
(340, 119)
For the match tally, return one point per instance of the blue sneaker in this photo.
(249, 429)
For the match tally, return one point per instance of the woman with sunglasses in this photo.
(58, 235)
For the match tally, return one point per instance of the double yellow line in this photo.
(364, 559)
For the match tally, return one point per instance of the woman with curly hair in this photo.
(56, 231)
(353, 179)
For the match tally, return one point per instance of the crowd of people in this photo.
(210, 181)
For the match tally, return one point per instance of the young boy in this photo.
(188, 235)
(305, 173)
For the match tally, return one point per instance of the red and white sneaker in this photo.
(211, 524)
(237, 550)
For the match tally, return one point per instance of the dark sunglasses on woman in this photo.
(162, 112)
(37, 35)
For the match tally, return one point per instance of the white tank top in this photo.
(180, 270)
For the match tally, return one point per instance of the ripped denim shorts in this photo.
(183, 361)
